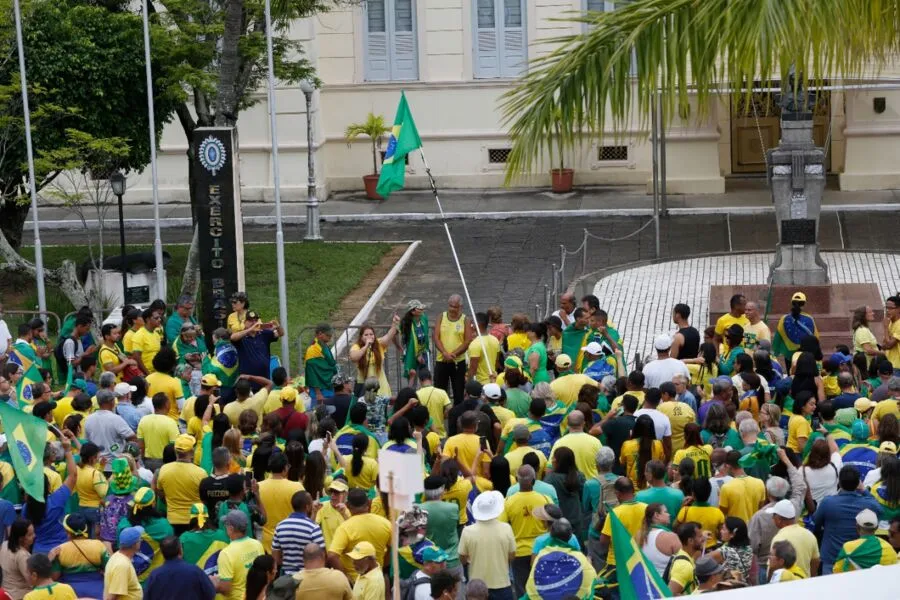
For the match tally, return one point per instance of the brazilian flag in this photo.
(638, 578)
(202, 548)
(24, 355)
(26, 436)
(223, 363)
(404, 139)
(320, 366)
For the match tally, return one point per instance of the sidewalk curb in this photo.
(366, 311)
(269, 220)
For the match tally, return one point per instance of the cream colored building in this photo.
(455, 59)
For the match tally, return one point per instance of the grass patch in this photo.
(319, 275)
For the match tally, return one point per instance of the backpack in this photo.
(283, 588)
(717, 440)
(408, 587)
(667, 574)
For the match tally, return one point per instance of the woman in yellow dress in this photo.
(369, 355)
(240, 304)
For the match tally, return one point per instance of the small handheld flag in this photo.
(23, 355)
(404, 139)
(26, 436)
(638, 578)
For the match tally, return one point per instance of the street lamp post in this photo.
(312, 203)
(117, 183)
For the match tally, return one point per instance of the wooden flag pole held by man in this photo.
(404, 139)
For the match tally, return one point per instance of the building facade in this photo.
(455, 59)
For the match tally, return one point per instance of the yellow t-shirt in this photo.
(120, 578)
(187, 410)
(709, 517)
(566, 388)
(369, 586)
(463, 447)
(804, 543)
(630, 453)
(254, 403)
(680, 414)
(273, 402)
(367, 475)
(585, 447)
(792, 574)
(526, 527)
(617, 401)
(128, 341)
(452, 335)
(372, 370)
(798, 427)
(148, 343)
(458, 494)
(157, 432)
(701, 456)
(886, 407)
(683, 572)
(236, 321)
(893, 354)
(741, 497)
(436, 401)
(329, 519)
(632, 515)
(53, 478)
(492, 345)
(516, 456)
(726, 321)
(168, 385)
(180, 483)
(361, 528)
(91, 485)
(503, 414)
(275, 496)
(754, 333)
(109, 356)
(54, 591)
(862, 336)
(63, 409)
(234, 563)
(518, 340)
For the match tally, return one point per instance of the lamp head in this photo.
(307, 87)
(117, 183)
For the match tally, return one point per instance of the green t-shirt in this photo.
(541, 374)
(443, 518)
(518, 401)
(732, 438)
(670, 497)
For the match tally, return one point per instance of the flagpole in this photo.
(32, 185)
(154, 178)
(437, 199)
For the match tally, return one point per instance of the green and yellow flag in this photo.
(638, 578)
(404, 139)
(24, 355)
(26, 436)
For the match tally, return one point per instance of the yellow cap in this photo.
(288, 395)
(798, 297)
(184, 443)
(338, 485)
(362, 550)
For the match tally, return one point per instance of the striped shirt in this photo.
(291, 537)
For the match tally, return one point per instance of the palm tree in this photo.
(682, 47)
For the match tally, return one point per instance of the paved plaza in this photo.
(640, 300)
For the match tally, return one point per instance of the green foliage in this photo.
(685, 48)
(374, 128)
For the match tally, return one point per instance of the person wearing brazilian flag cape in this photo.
(558, 571)
(22, 353)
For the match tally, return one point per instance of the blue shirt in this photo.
(541, 487)
(835, 518)
(291, 537)
(7, 516)
(130, 413)
(689, 399)
(253, 353)
(845, 400)
(541, 541)
(178, 579)
(50, 533)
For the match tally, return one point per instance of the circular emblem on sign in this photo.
(25, 451)
(212, 154)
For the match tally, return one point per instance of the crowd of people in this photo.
(180, 467)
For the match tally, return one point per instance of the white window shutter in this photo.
(377, 50)
(487, 49)
(404, 55)
(515, 48)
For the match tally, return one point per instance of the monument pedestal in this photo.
(831, 305)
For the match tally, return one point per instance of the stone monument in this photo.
(796, 172)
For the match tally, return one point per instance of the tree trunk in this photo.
(227, 94)
(190, 282)
(12, 221)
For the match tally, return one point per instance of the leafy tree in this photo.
(684, 47)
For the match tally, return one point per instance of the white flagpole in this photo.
(32, 186)
(276, 178)
(157, 237)
(484, 353)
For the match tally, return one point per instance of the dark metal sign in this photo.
(220, 231)
(798, 231)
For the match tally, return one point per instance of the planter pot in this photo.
(561, 180)
(371, 182)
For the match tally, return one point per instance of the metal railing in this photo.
(30, 314)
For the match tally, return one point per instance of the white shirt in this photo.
(5, 337)
(717, 483)
(872, 477)
(660, 371)
(423, 590)
(661, 422)
(565, 320)
(823, 482)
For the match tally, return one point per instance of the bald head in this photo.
(313, 556)
(575, 421)
(525, 476)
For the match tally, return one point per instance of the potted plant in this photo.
(561, 179)
(373, 127)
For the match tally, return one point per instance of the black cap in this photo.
(434, 482)
(885, 368)
(252, 315)
(474, 389)
(42, 409)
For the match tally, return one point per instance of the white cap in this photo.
(492, 391)
(662, 342)
(123, 389)
(867, 518)
(593, 348)
(784, 509)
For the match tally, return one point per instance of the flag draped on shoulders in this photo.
(320, 366)
(223, 363)
(790, 331)
(24, 355)
(560, 572)
(404, 139)
(573, 340)
(26, 437)
(638, 578)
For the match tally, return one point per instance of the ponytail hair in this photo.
(360, 445)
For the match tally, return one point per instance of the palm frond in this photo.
(585, 85)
